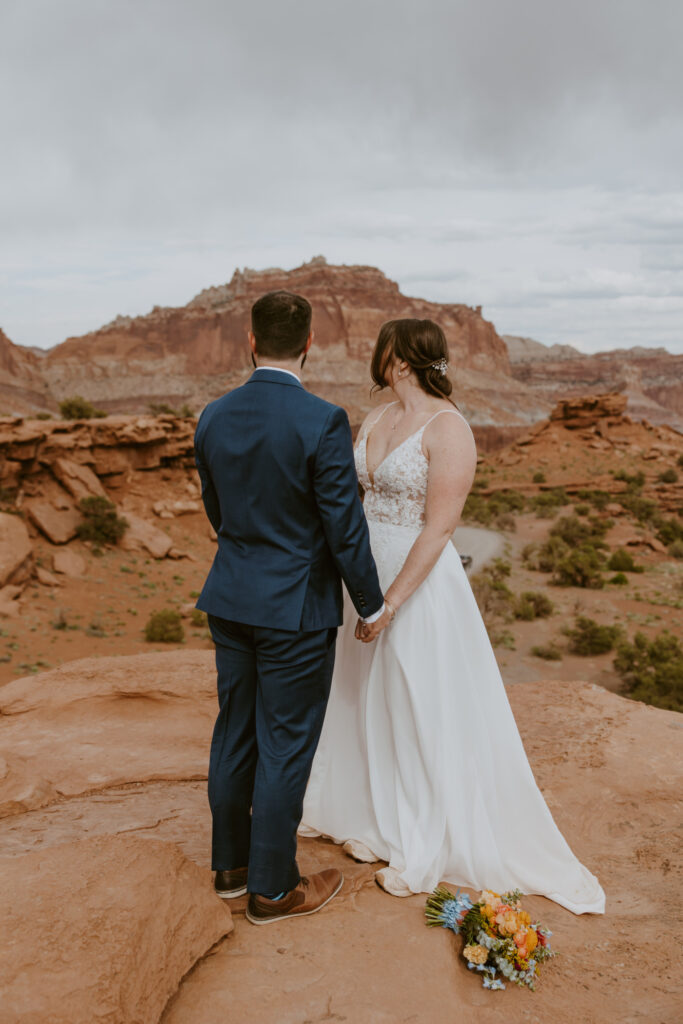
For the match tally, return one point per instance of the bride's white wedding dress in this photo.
(420, 758)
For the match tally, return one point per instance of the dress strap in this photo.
(371, 426)
(455, 412)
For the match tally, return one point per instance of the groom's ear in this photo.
(252, 341)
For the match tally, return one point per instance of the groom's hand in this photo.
(367, 632)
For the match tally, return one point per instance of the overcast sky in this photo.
(525, 156)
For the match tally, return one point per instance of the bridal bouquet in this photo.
(499, 936)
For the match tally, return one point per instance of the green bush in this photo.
(598, 499)
(539, 477)
(634, 481)
(582, 510)
(668, 530)
(484, 510)
(669, 476)
(547, 503)
(589, 637)
(198, 618)
(676, 549)
(78, 408)
(574, 531)
(532, 604)
(545, 558)
(164, 627)
(641, 508)
(494, 597)
(619, 579)
(622, 561)
(580, 567)
(549, 652)
(652, 670)
(43, 415)
(101, 522)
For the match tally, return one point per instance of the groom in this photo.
(279, 487)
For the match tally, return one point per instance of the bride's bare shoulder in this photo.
(450, 431)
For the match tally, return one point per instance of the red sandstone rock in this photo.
(102, 930)
(144, 536)
(79, 480)
(69, 563)
(87, 725)
(15, 549)
(58, 524)
(46, 578)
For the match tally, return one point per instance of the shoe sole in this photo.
(289, 917)
(231, 894)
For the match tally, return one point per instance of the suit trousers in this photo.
(273, 688)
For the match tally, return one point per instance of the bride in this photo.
(420, 763)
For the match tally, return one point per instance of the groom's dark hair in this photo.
(281, 323)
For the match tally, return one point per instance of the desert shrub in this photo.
(679, 460)
(161, 409)
(549, 652)
(598, 499)
(676, 549)
(164, 627)
(506, 521)
(198, 618)
(547, 502)
(582, 510)
(101, 522)
(479, 482)
(640, 508)
(164, 409)
(78, 408)
(539, 477)
(545, 557)
(580, 567)
(634, 481)
(494, 597)
(503, 639)
(532, 604)
(652, 670)
(484, 510)
(622, 561)
(668, 530)
(669, 476)
(574, 531)
(619, 579)
(43, 415)
(477, 508)
(589, 637)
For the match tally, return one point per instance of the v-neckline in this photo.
(373, 476)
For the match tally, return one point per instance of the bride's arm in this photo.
(452, 463)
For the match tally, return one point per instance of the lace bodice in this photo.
(398, 492)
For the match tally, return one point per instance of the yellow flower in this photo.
(531, 940)
(476, 954)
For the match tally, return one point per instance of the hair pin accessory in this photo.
(441, 365)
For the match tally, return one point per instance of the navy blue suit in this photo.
(280, 489)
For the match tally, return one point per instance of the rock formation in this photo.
(650, 378)
(103, 914)
(192, 354)
(102, 930)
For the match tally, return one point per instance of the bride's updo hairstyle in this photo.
(419, 343)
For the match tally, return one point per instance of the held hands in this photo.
(369, 631)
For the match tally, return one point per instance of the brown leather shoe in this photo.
(231, 884)
(309, 896)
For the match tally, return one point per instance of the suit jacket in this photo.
(279, 486)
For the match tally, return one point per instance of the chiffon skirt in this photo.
(420, 757)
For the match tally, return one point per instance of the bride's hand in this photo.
(367, 632)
